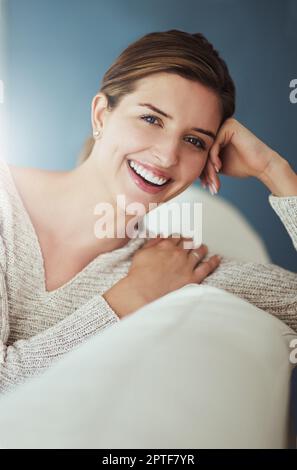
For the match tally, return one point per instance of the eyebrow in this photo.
(157, 110)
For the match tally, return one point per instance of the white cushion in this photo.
(197, 368)
(225, 230)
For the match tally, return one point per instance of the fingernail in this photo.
(214, 188)
(210, 189)
(216, 168)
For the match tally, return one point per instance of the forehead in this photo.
(178, 97)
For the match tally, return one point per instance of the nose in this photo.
(166, 153)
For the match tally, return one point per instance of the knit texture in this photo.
(37, 327)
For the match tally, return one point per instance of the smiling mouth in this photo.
(149, 182)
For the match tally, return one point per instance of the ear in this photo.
(99, 108)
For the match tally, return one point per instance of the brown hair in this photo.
(190, 55)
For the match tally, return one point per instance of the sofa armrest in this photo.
(197, 368)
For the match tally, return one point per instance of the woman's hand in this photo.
(237, 152)
(162, 265)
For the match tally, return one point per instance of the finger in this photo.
(152, 241)
(213, 177)
(203, 179)
(175, 238)
(215, 159)
(186, 242)
(205, 268)
(214, 153)
(210, 178)
(196, 255)
(206, 182)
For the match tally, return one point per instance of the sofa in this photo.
(197, 368)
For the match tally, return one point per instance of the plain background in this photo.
(3, 77)
(58, 50)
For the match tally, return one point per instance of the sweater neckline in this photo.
(104, 257)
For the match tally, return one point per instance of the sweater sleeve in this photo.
(27, 358)
(286, 209)
(265, 285)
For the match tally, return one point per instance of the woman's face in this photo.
(135, 132)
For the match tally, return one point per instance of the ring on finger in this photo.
(195, 254)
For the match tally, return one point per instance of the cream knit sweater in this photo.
(38, 327)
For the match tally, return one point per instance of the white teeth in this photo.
(147, 175)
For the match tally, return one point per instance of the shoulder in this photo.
(25, 178)
(20, 189)
(12, 176)
(11, 173)
(24, 184)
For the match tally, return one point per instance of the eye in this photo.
(201, 144)
(146, 116)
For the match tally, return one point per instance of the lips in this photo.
(145, 185)
(154, 170)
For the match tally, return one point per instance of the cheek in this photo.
(193, 168)
(133, 137)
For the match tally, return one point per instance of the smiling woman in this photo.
(190, 56)
(163, 110)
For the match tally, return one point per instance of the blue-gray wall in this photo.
(58, 51)
(3, 77)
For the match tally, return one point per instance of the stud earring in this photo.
(96, 134)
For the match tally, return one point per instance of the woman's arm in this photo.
(281, 180)
(237, 152)
(26, 358)
(265, 285)
(279, 177)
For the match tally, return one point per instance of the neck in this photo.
(75, 197)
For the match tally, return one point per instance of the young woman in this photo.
(164, 114)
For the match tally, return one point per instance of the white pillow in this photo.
(197, 368)
(225, 230)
